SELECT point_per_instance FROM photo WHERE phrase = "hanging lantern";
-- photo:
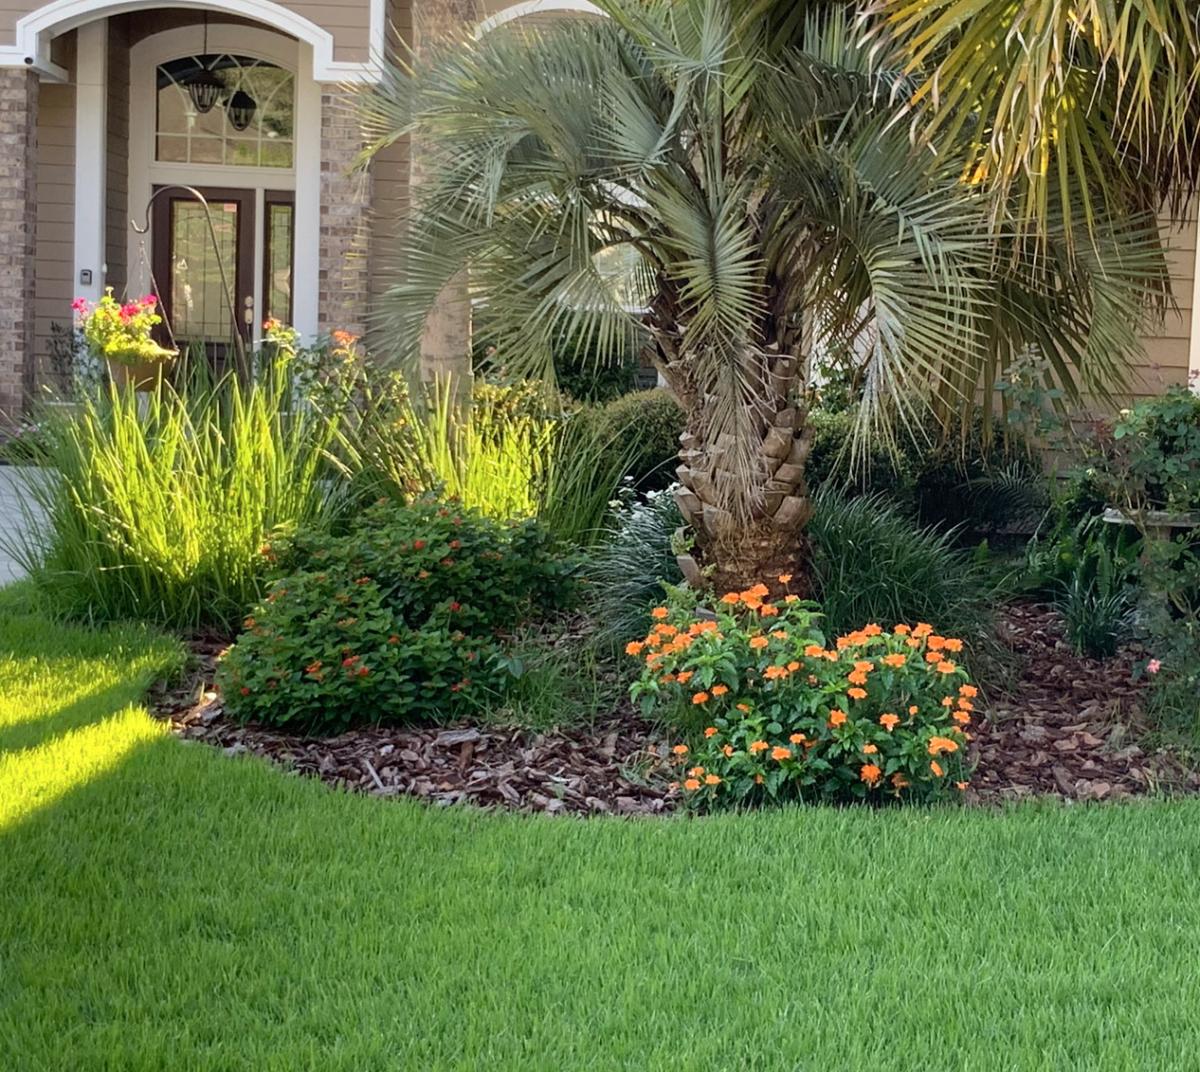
(241, 108)
(205, 89)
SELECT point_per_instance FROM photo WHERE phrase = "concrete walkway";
(14, 517)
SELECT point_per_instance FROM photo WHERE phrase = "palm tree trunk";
(744, 494)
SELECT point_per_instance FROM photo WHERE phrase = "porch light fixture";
(241, 109)
(204, 86)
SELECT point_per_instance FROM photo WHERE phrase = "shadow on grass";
(85, 710)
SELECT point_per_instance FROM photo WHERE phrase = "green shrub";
(642, 430)
(325, 651)
(878, 471)
(1152, 459)
(780, 713)
(427, 555)
(158, 505)
(394, 620)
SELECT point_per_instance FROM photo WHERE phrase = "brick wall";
(345, 196)
(18, 159)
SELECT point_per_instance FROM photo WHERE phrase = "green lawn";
(166, 907)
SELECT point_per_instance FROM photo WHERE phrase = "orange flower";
(659, 612)
(758, 642)
(680, 749)
(947, 701)
(870, 749)
(773, 673)
(913, 709)
(938, 745)
(936, 767)
(967, 690)
(779, 634)
(653, 640)
(665, 629)
(961, 786)
(780, 753)
(666, 679)
(932, 657)
(870, 773)
(785, 578)
(864, 666)
(758, 746)
(857, 677)
(791, 599)
(634, 647)
(695, 772)
(923, 629)
(744, 707)
(946, 668)
(712, 779)
(953, 644)
(727, 750)
(913, 642)
(900, 782)
(653, 660)
(836, 717)
(712, 731)
(895, 659)
(936, 643)
(730, 598)
(768, 610)
(720, 690)
(889, 721)
(965, 705)
(692, 783)
(684, 676)
(793, 666)
(857, 694)
(797, 738)
(902, 630)
(700, 698)
(872, 629)
(814, 651)
(760, 590)
(962, 718)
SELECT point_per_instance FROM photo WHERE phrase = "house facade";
(110, 108)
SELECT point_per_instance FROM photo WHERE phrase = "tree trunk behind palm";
(446, 335)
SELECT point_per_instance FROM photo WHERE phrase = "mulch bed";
(1069, 727)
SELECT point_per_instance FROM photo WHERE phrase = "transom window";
(250, 121)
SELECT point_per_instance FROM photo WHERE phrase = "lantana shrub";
(778, 713)
(394, 621)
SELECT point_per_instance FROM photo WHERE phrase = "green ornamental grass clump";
(777, 712)
(394, 621)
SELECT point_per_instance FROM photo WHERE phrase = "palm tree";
(758, 175)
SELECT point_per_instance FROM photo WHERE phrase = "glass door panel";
(278, 230)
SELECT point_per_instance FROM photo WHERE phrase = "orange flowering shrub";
(778, 713)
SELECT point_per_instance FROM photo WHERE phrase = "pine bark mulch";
(1068, 727)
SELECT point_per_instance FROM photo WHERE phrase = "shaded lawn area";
(164, 906)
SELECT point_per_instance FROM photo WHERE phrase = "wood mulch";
(1068, 727)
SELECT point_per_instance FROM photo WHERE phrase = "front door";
(193, 264)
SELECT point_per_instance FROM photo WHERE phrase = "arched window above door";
(251, 123)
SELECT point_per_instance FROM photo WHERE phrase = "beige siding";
(347, 20)
(117, 162)
(54, 244)
(1167, 344)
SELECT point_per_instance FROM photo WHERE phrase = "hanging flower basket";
(121, 335)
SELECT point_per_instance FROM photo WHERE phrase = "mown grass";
(164, 906)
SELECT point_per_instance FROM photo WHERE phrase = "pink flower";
(148, 299)
(1153, 666)
(79, 305)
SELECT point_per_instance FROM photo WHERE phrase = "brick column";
(345, 198)
(18, 224)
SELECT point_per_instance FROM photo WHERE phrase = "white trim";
(35, 31)
(306, 233)
(534, 7)
(91, 127)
